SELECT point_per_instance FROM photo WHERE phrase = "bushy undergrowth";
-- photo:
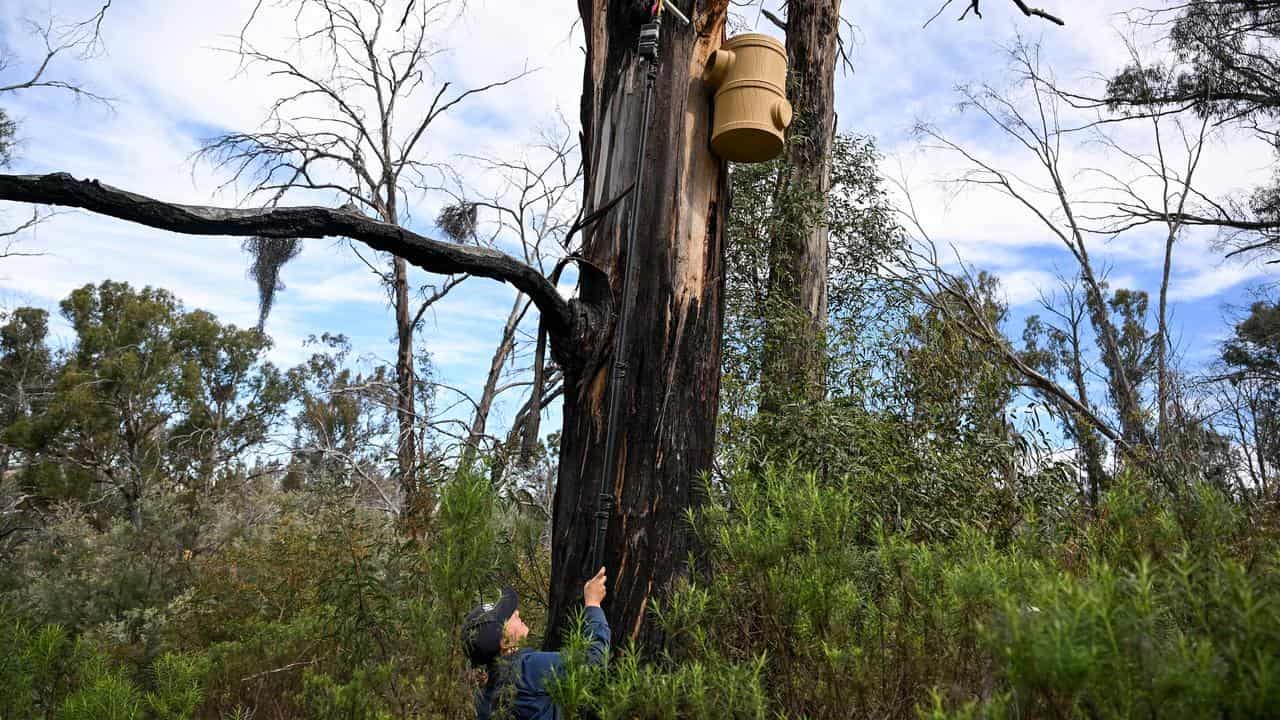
(808, 603)
(323, 612)
(46, 673)
(813, 608)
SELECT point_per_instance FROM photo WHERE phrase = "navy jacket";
(519, 681)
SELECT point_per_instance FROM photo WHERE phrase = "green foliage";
(177, 679)
(815, 599)
(950, 385)
(330, 613)
(116, 581)
(149, 398)
(1255, 346)
(1129, 615)
(342, 415)
(25, 361)
(919, 424)
(44, 673)
(913, 409)
(1219, 64)
(662, 690)
(916, 557)
(1219, 48)
(8, 135)
(765, 211)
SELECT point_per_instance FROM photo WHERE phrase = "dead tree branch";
(293, 222)
(973, 6)
(83, 37)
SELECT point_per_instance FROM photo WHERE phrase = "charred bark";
(671, 389)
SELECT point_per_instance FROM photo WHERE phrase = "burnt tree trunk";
(671, 389)
(794, 349)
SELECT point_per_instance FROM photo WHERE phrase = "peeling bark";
(671, 390)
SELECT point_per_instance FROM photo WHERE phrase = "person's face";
(514, 632)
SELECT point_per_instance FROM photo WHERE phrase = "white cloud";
(1024, 287)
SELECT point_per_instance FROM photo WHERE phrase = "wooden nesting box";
(751, 115)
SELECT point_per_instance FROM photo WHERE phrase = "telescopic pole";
(617, 375)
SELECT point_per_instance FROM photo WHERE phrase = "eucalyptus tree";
(794, 359)
(1217, 62)
(1247, 391)
(1056, 206)
(149, 399)
(793, 364)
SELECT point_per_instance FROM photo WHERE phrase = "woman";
(516, 686)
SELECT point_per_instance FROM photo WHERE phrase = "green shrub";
(812, 599)
(332, 613)
(1134, 613)
(663, 689)
(44, 673)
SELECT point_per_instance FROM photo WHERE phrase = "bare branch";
(84, 36)
(973, 7)
(779, 22)
(293, 222)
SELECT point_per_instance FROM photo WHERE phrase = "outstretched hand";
(593, 592)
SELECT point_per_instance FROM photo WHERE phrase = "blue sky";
(172, 88)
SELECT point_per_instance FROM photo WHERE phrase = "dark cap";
(482, 630)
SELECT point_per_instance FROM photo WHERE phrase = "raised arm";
(597, 624)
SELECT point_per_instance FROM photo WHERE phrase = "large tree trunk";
(794, 357)
(671, 389)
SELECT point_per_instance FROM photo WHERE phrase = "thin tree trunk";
(1162, 343)
(671, 390)
(531, 427)
(1090, 440)
(1259, 441)
(406, 450)
(526, 428)
(490, 391)
(414, 509)
(794, 357)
